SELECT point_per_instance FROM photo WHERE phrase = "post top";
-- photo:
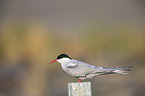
(78, 82)
(79, 89)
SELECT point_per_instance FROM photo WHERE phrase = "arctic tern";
(83, 70)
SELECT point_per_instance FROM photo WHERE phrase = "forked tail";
(121, 70)
(110, 70)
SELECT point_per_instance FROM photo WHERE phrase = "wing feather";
(72, 65)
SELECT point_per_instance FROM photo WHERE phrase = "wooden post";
(79, 89)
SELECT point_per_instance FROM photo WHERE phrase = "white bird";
(83, 70)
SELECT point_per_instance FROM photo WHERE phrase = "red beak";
(53, 61)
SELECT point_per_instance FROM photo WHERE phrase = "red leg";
(79, 80)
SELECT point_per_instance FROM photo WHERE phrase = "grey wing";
(84, 70)
(81, 68)
(112, 70)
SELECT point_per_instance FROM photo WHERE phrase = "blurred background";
(104, 33)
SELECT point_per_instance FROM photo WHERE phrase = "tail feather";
(123, 70)
(120, 70)
(126, 67)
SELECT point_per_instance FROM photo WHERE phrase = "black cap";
(63, 56)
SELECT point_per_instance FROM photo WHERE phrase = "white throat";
(63, 60)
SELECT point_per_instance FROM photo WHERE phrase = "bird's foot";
(79, 80)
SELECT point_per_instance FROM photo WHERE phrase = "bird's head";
(61, 58)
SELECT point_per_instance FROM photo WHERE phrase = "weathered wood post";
(79, 89)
